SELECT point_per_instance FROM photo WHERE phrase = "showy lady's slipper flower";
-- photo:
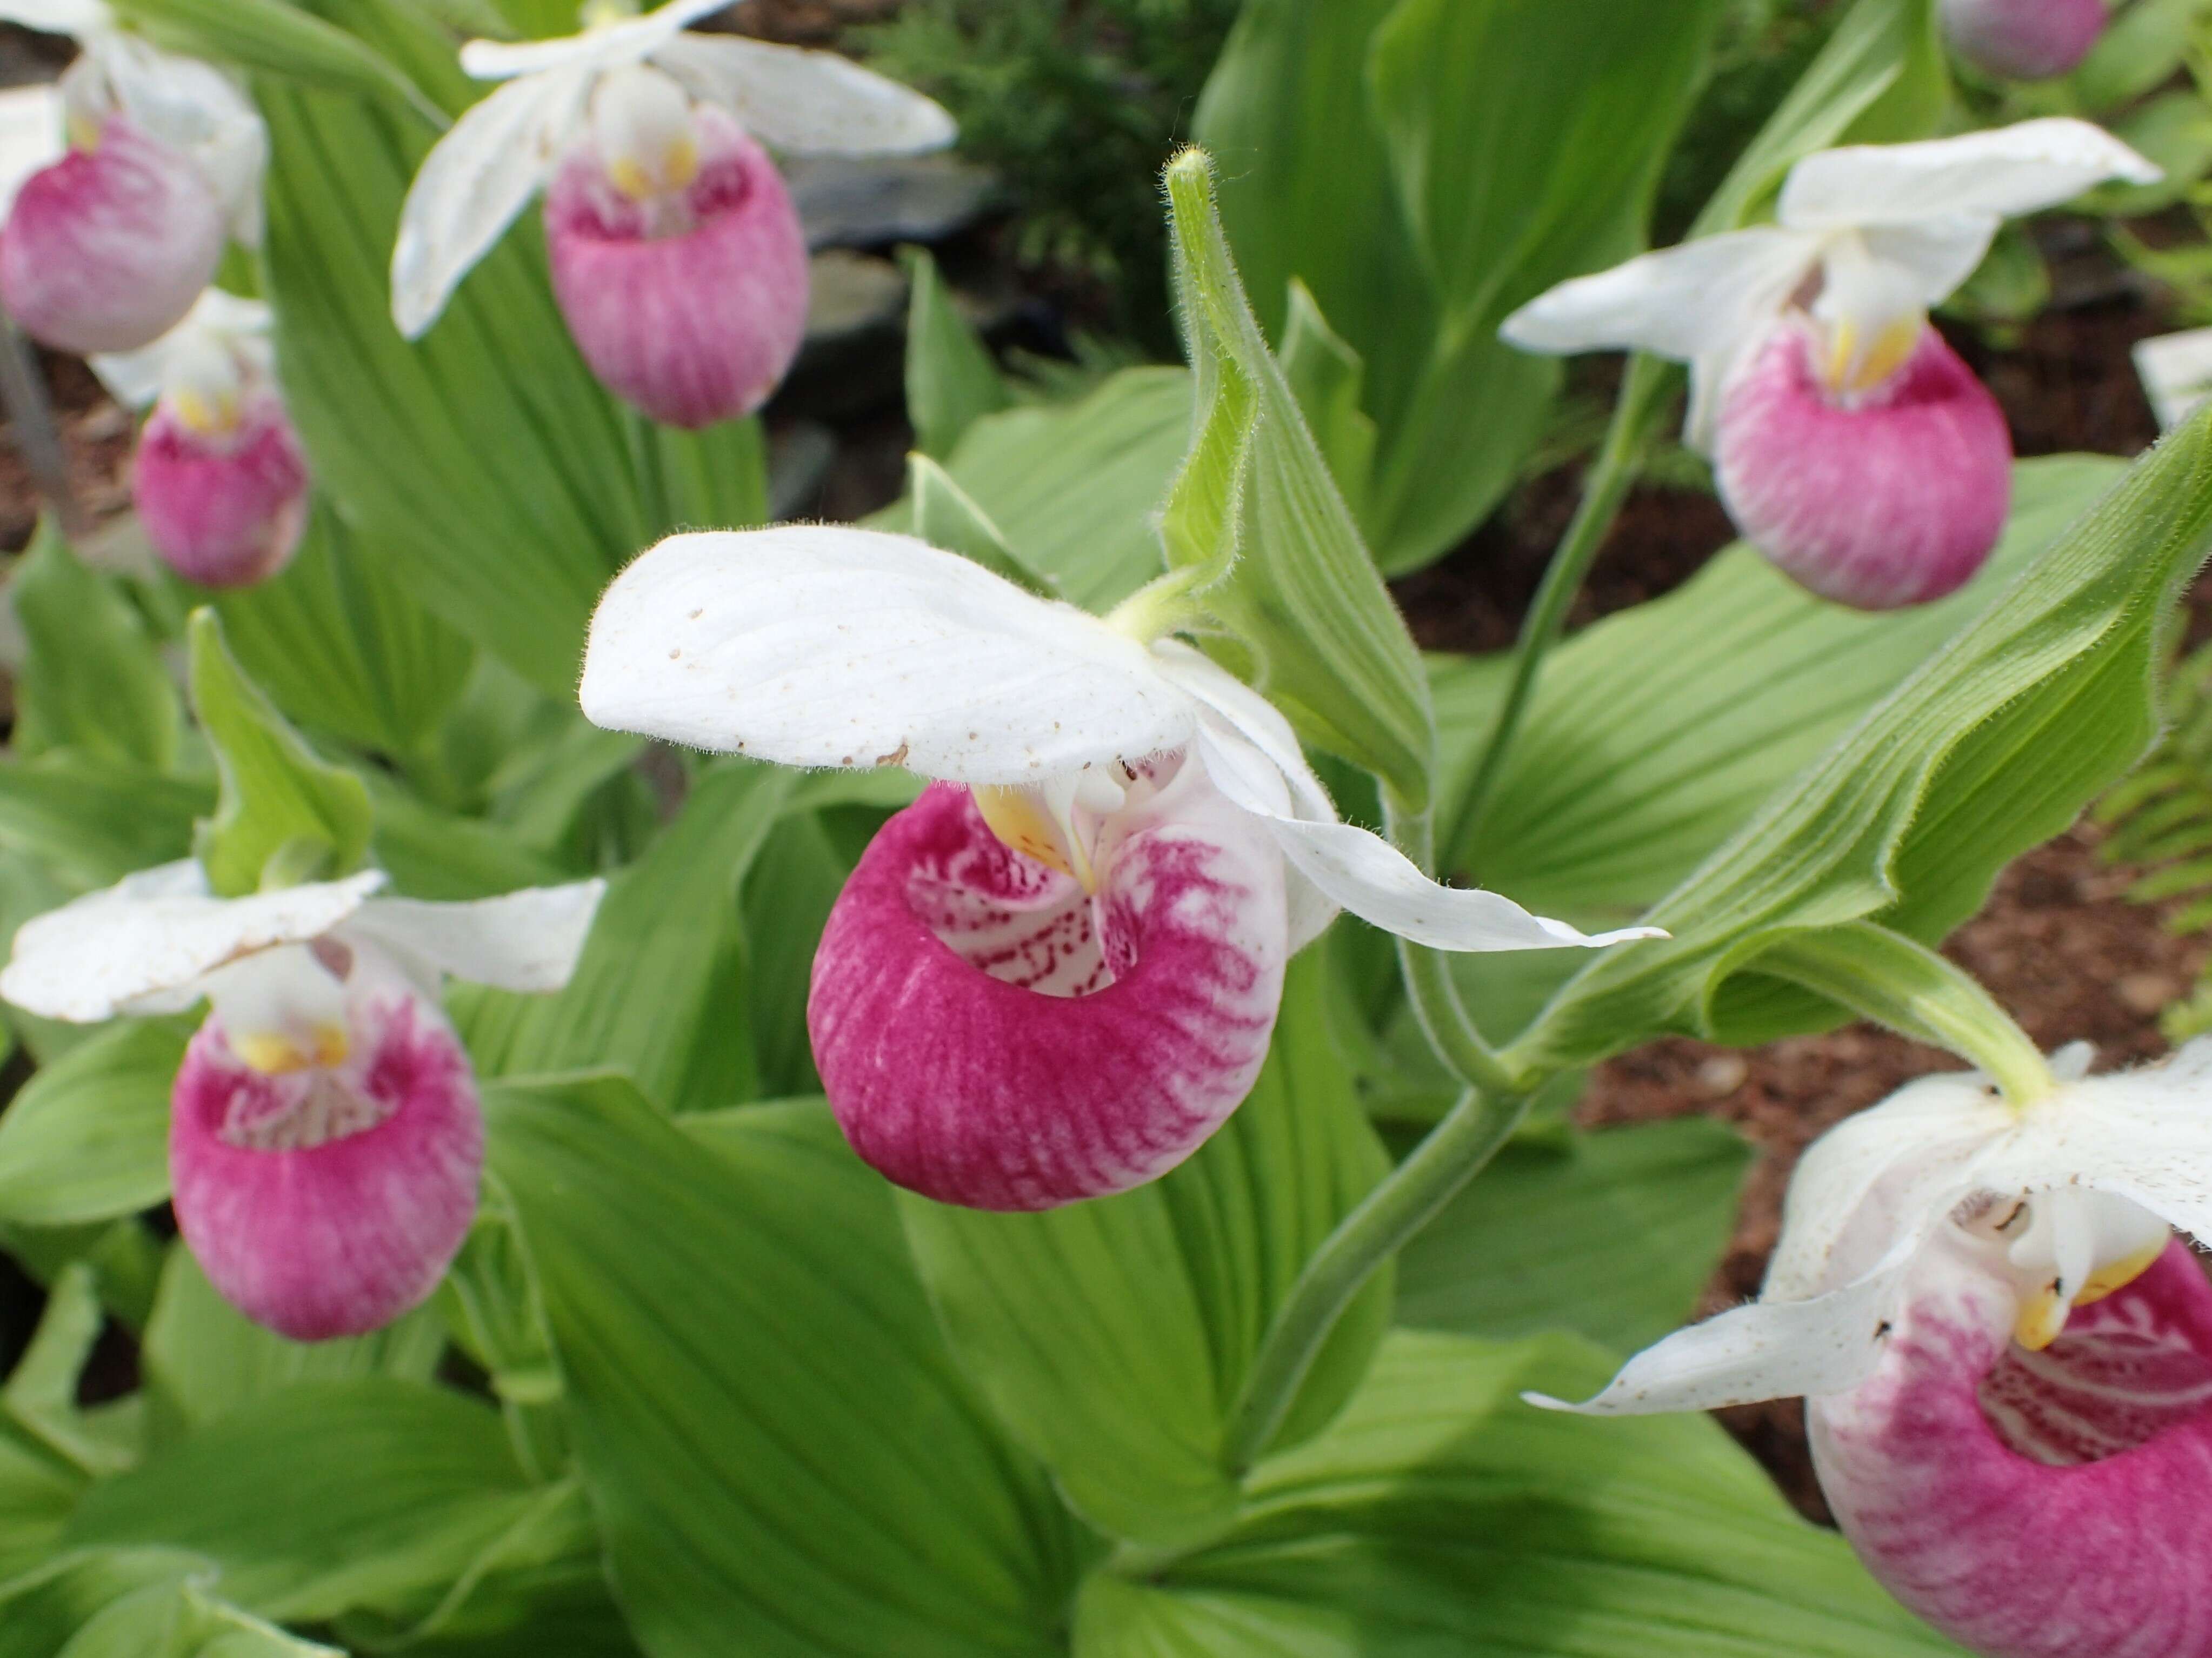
(325, 1142)
(1851, 443)
(2006, 1355)
(677, 257)
(106, 248)
(219, 478)
(2024, 39)
(1055, 974)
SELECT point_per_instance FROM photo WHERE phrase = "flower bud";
(325, 1181)
(2024, 39)
(1877, 499)
(106, 249)
(222, 496)
(679, 262)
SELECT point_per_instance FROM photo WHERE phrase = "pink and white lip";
(1891, 497)
(108, 248)
(2036, 1505)
(224, 511)
(691, 305)
(992, 1033)
(328, 1200)
(2006, 1355)
(2024, 39)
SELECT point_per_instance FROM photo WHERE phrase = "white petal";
(605, 47)
(135, 378)
(1358, 871)
(156, 932)
(2007, 172)
(1683, 302)
(78, 17)
(473, 183)
(1936, 255)
(2176, 371)
(808, 102)
(527, 940)
(195, 107)
(815, 645)
(30, 137)
(1765, 1350)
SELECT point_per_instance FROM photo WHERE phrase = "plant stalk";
(1620, 460)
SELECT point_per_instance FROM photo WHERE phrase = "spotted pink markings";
(1889, 498)
(326, 1203)
(2038, 1505)
(692, 309)
(992, 1035)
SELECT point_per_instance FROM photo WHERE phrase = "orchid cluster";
(1099, 969)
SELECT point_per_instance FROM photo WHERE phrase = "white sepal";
(806, 102)
(1682, 302)
(1997, 174)
(824, 646)
(195, 108)
(527, 941)
(609, 45)
(473, 183)
(142, 945)
(76, 17)
(31, 138)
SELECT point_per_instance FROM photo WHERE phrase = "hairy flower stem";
(1407, 1199)
(1611, 476)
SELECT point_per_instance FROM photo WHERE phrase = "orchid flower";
(110, 240)
(2024, 39)
(677, 257)
(219, 479)
(1055, 974)
(325, 1142)
(1851, 443)
(2007, 1356)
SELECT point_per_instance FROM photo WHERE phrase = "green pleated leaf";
(201, 1359)
(93, 821)
(41, 1609)
(1114, 1336)
(340, 645)
(1612, 1236)
(947, 516)
(1256, 518)
(950, 380)
(658, 992)
(1511, 180)
(39, 1406)
(181, 1620)
(1073, 488)
(92, 677)
(1327, 375)
(1992, 745)
(324, 1497)
(1657, 733)
(1442, 1515)
(38, 1492)
(87, 1137)
(283, 814)
(277, 37)
(781, 1454)
(485, 460)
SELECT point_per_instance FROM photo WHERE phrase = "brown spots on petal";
(896, 757)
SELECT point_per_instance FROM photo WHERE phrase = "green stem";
(1407, 1200)
(645, 461)
(1615, 472)
(1896, 981)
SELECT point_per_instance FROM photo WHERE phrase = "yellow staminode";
(678, 166)
(1022, 822)
(1850, 369)
(206, 415)
(274, 1052)
(2043, 1315)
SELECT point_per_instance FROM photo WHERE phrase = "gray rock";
(866, 201)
